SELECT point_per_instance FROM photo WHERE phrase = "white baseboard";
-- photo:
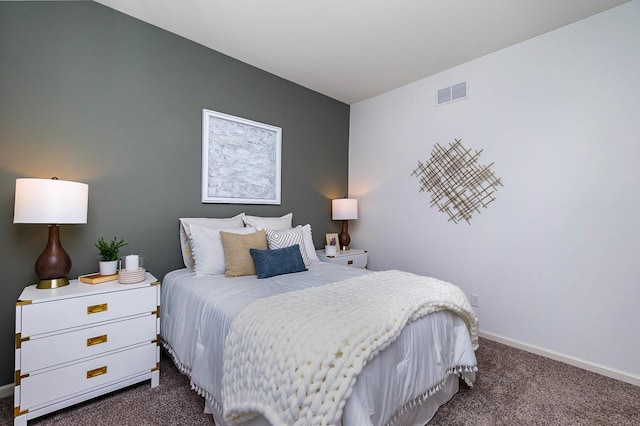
(585, 365)
(6, 390)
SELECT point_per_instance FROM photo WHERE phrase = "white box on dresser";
(80, 341)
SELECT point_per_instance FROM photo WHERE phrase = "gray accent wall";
(92, 95)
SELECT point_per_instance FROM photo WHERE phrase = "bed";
(402, 382)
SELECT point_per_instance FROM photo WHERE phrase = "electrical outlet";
(475, 300)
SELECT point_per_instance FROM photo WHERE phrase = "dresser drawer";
(357, 260)
(354, 257)
(39, 389)
(63, 348)
(47, 317)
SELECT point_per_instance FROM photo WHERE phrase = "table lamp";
(53, 202)
(344, 209)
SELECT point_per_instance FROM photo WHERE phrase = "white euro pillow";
(208, 251)
(278, 223)
(308, 244)
(214, 223)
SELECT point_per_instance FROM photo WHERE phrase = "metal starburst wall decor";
(459, 186)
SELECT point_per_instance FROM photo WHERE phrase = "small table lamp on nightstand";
(344, 209)
(53, 202)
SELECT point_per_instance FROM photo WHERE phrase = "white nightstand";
(353, 257)
(80, 341)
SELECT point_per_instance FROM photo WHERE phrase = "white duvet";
(396, 386)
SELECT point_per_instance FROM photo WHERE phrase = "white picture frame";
(241, 160)
(332, 240)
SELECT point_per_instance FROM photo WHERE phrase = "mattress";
(403, 384)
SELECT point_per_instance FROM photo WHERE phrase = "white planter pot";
(108, 268)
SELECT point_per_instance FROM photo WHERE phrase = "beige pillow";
(207, 249)
(237, 258)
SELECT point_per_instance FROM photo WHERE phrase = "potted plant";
(109, 254)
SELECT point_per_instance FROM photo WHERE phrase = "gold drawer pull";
(91, 341)
(97, 308)
(96, 372)
(349, 262)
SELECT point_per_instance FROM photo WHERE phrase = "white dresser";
(354, 257)
(80, 341)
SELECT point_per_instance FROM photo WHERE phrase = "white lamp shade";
(344, 209)
(50, 201)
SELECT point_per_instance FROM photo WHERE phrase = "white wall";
(556, 258)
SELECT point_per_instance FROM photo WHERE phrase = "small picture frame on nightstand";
(332, 240)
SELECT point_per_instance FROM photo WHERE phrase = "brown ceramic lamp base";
(54, 263)
(344, 237)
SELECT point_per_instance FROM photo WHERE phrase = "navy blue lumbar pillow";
(270, 263)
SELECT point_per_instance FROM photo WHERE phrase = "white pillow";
(208, 252)
(258, 222)
(185, 237)
(308, 243)
(277, 239)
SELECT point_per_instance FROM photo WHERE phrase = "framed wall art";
(241, 160)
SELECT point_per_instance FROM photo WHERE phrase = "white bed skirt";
(417, 415)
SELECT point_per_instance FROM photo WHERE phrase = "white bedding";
(395, 387)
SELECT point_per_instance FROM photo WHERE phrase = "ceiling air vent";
(451, 93)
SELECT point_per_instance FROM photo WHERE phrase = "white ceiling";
(352, 50)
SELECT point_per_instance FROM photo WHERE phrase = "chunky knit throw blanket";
(294, 357)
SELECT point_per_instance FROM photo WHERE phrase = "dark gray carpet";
(513, 388)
